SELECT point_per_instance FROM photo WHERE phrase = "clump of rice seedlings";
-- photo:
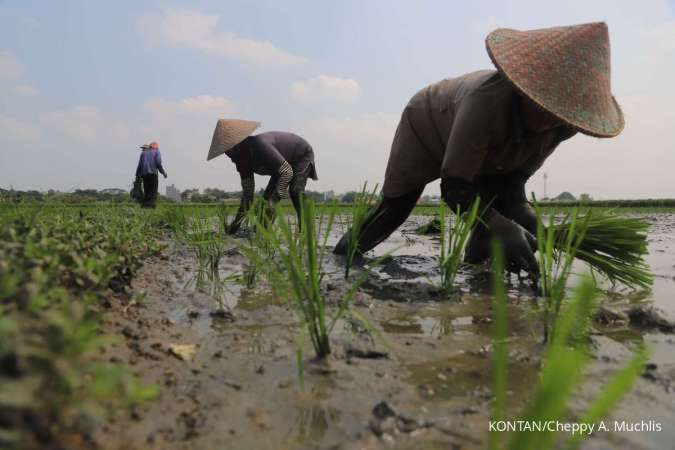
(557, 248)
(298, 272)
(430, 228)
(259, 252)
(562, 374)
(453, 245)
(208, 245)
(613, 246)
(361, 207)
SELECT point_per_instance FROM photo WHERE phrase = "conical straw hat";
(228, 133)
(564, 70)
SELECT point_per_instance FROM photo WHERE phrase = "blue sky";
(83, 83)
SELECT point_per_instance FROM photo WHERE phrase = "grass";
(564, 362)
(453, 246)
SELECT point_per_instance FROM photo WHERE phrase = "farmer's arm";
(247, 194)
(512, 198)
(158, 162)
(282, 172)
(464, 156)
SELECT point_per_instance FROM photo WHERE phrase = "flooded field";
(426, 384)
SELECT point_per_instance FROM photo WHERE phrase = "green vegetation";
(360, 211)
(57, 267)
(612, 245)
(453, 246)
(564, 362)
(296, 273)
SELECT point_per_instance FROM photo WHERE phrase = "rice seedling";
(208, 245)
(452, 247)
(360, 214)
(562, 374)
(298, 272)
(258, 251)
(557, 248)
(612, 246)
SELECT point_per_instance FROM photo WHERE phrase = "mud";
(425, 384)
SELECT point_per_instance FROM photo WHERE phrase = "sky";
(83, 83)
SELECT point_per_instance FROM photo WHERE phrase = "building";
(173, 193)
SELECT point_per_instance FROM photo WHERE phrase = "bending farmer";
(485, 133)
(288, 159)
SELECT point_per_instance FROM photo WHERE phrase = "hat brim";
(612, 119)
(229, 133)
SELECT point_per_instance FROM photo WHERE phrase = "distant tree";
(348, 197)
(565, 197)
(585, 198)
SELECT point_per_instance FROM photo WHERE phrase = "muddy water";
(432, 367)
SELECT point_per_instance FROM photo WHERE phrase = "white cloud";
(325, 88)
(350, 150)
(10, 67)
(26, 90)
(199, 105)
(184, 27)
(86, 123)
(12, 128)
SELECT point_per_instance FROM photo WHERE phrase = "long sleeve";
(278, 185)
(138, 167)
(468, 142)
(248, 191)
(158, 163)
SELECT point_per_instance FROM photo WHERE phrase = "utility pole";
(545, 179)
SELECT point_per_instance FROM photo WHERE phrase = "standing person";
(485, 133)
(149, 163)
(287, 158)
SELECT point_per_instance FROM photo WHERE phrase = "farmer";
(287, 158)
(485, 133)
(149, 164)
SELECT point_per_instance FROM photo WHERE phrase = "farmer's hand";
(234, 227)
(519, 244)
(165, 175)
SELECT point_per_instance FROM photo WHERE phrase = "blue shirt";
(150, 163)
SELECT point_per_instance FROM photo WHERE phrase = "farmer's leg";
(147, 190)
(382, 221)
(154, 180)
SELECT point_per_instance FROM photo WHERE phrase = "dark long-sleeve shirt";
(465, 127)
(276, 153)
(265, 153)
(149, 163)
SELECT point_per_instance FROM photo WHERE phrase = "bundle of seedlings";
(611, 245)
(565, 361)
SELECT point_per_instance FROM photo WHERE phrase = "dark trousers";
(150, 187)
(381, 221)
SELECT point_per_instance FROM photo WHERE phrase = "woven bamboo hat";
(228, 133)
(564, 70)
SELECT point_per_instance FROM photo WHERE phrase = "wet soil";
(424, 385)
